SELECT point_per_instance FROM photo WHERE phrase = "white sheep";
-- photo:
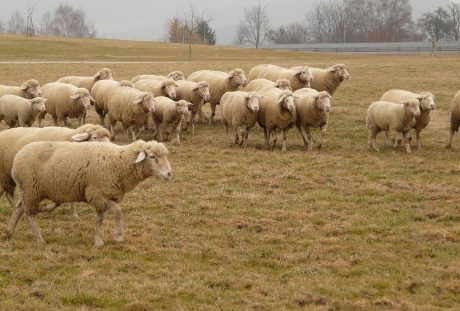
(175, 75)
(99, 174)
(298, 78)
(258, 84)
(12, 140)
(240, 111)
(454, 119)
(168, 115)
(132, 108)
(219, 83)
(20, 111)
(165, 87)
(196, 93)
(101, 91)
(395, 117)
(276, 113)
(28, 89)
(427, 104)
(88, 82)
(312, 109)
(65, 101)
(328, 79)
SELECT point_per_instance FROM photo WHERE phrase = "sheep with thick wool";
(395, 117)
(219, 83)
(168, 116)
(174, 75)
(132, 108)
(298, 78)
(28, 89)
(262, 83)
(427, 104)
(328, 79)
(240, 111)
(12, 140)
(65, 101)
(196, 93)
(88, 82)
(99, 174)
(158, 88)
(276, 113)
(16, 110)
(101, 91)
(454, 119)
(312, 108)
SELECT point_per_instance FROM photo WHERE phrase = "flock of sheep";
(65, 165)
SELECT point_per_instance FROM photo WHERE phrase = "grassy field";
(248, 229)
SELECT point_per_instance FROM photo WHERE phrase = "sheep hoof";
(98, 243)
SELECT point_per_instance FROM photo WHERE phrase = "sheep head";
(83, 98)
(182, 107)
(169, 88)
(146, 101)
(426, 100)
(340, 71)
(252, 101)
(323, 101)
(176, 75)
(237, 77)
(283, 84)
(32, 88)
(153, 158)
(412, 106)
(286, 100)
(103, 74)
(125, 83)
(91, 133)
(305, 75)
(38, 104)
(202, 88)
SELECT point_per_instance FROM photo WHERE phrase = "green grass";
(249, 229)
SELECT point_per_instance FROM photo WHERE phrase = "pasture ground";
(250, 229)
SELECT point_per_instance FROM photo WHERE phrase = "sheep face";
(32, 88)
(176, 75)
(427, 101)
(283, 84)
(323, 101)
(182, 107)
(305, 75)
(252, 101)
(104, 74)
(125, 83)
(154, 161)
(83, 98)
(287, 101)
(38, 104)
(341, 72)
(169, 88)
(238, 77)
(203, 91)
(412, 106)
(146, 102)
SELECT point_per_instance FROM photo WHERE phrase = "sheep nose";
(255, 109)
(173, 95)
(151, 109)
(168, 175)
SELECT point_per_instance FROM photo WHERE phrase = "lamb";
(389, 116)
(169, 114)
(298, 78)
(99, 174)
(28, 89)
(219, 83)
(427, 104)
(18, 110)
(12, 140)
(175, 75)
(158, 88)
(196, 93)
(328, 79)
(312, 109)
(240, 111)
(65, 101)
(276, 112)
(88, 82)
(131, 107)
(454, 119)
(101, 91)
(258, 84)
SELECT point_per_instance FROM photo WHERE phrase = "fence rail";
(386, 47)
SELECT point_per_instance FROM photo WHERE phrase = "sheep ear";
(176, 85)
(196, 88)
(163, 84)
(419, 98)
(24, 86)
(80, 137)
(406, 104)
(98, 75)
(139, 100)
(190, 104)
(299, 72)
(74, 97)
(92, 99)
(282, 97)
(141, 157)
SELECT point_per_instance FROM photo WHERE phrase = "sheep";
(312, 109)
(427, 104)
(65, 101)
(196, 93)
(99, 174)
(169, 114)
(88, 82)
(276, 112)
(28, 89)
(258, 84)
(454, 119)
(101, 91)
(175, 75)
(298, 78)
(20, 111)
(158, 88)
(328, 79)
(219, 83)
(131, 107)
(240, 111)
(389, 116)
(12, 140)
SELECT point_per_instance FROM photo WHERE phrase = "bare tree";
(190, 23)
(434, 26)
(454, 19)
(293, 33)
(30, 31)
(67, 22)
(2, 27)
(16, 23)
(254, 27)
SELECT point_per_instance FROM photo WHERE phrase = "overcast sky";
(146, 19)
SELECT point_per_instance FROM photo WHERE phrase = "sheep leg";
(372, 141)
(387, 139)
(101, 114)
(73, 209)
(55, 120)
(10, 198)
(203, 118)
(417, 134)
(275, 138)
(309, 138)
(450, 144)
(302, 133)
(267, 133)
(406, 137)
(213, 113)
(99, 234)
(66, 124)
(118, 234)
(15, 217)
(125, 133)
(284, 149)
(143, 128)
(323, 133)
(240, 132)
(176, 139)
(32, 217)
